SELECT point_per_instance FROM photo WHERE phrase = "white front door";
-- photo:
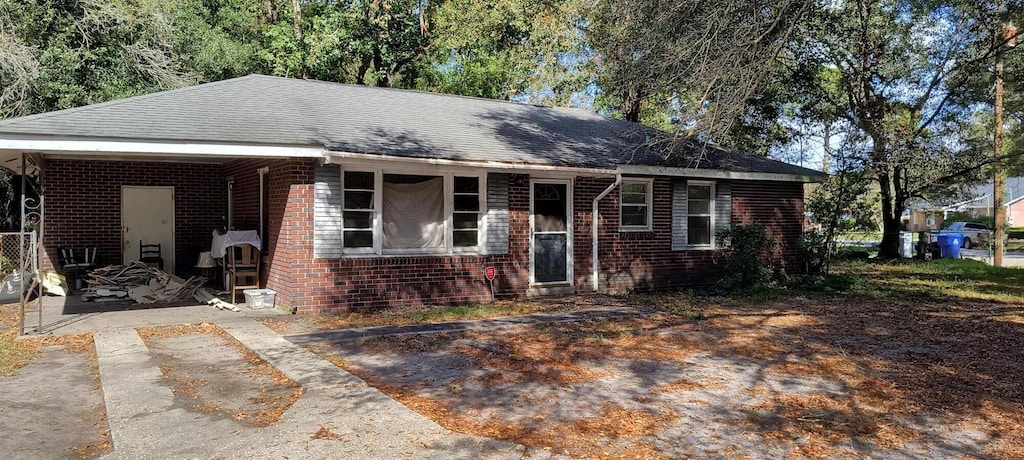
(147, 215)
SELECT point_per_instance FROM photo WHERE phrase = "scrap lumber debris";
(140, 282)
(205, 296)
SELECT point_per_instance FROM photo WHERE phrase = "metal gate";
(19, 251)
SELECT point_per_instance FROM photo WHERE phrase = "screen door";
(551, 238)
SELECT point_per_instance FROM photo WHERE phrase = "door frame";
(569, 230)
(169, 260)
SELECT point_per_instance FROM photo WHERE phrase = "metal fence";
(11, 253)
(19, 273)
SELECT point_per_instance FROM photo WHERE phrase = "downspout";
(594, 221)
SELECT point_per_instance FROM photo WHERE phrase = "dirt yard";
(796, 377)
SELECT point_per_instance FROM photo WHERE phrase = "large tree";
(895, 72)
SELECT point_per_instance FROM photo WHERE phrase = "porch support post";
(21, 255)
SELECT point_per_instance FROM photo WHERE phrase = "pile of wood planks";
(139, 282)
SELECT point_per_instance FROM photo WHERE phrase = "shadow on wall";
(639, 276)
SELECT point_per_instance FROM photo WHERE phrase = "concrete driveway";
(335, 415)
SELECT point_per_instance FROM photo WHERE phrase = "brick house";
(367, 197)
(974, 202)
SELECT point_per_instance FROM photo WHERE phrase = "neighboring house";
(368, 198)
(976, 202)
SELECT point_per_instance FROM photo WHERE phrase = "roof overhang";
(11, 149)
(374, 160)
(699, 173)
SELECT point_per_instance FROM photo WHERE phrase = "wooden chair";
(75, 267)
(68, 262)
(243, 266)
(151, 254)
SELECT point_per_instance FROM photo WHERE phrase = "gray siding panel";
(496, 219)
(723, 206)
(678, 215)
(327, 221)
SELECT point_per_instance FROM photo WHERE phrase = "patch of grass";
(941, 278)
(14, 354)
(859, 236)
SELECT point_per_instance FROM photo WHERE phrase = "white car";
(975, 234)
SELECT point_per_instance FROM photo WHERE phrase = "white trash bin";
(906, 244)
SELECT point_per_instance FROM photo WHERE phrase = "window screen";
(698, 214)
(466, 212)
(634, 205)
(357, 209)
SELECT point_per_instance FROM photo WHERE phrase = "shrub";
(827, 283)
(816, 251)
(747, 267)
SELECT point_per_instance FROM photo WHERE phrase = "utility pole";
(997, 168)
(1009, 36)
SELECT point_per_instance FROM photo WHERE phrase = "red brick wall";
(777, 205)
(287, 247)
(83, 199)
(83, 205)
(630, 260)
(645, 260)
(373, 283)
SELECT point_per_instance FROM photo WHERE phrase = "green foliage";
(746, 267)
(827, 283)
(56, 55)
(935, 279)
(816, 251)
(838, 206)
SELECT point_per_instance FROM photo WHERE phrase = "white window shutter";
(496, 220)
(679, 215)
(723, 206)
(327, 221)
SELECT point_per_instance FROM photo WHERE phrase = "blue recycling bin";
(949, 245)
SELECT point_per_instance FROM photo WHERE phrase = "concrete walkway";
(493, 324)
(145, 421)
(71, 315)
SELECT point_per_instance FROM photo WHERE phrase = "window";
(390, 213)
(635, 205)
(699, 213)
(357, 199)
(466, 216)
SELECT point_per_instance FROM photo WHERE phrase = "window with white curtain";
(398, 213)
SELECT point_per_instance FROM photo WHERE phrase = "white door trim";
(569, 230)
(168, 255)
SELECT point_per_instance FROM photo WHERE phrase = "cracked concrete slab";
(360, 422)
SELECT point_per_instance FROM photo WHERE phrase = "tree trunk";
(297, 31)
(631, 104)
(889, 248)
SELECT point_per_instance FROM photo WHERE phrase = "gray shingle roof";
(975, 196)
(267, 110)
